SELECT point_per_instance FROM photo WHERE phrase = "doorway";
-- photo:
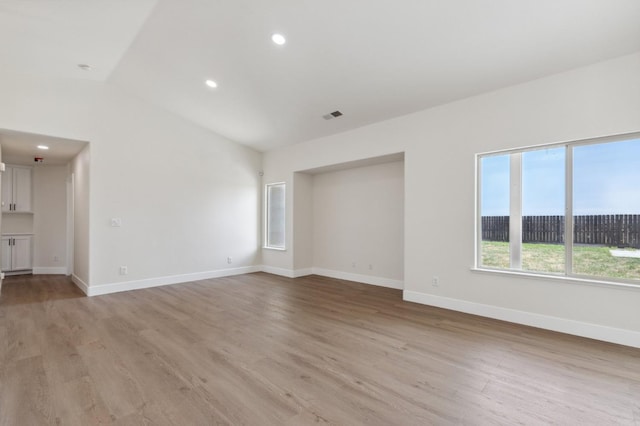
(45, 223)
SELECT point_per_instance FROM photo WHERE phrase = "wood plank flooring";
(264, 350)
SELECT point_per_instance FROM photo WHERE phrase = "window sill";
(561, 278)
(273, 248)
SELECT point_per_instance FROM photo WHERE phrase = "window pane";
(494, 211)
(275, 216)
(543, 206)
(606, 205)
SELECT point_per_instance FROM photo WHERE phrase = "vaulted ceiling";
(371, 59)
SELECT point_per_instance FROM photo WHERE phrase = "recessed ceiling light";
(43, 147)
(211, 84)
(278, 39)
(85, 67)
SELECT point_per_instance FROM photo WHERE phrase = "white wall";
(358, 225)
(17, 223)
(303, 217)
(50, 218)
(439, 145)
(187, 197)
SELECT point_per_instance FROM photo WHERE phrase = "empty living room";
(342, 212)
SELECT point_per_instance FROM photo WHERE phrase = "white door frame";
(70, 222)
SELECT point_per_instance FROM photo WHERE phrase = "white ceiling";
(371, 59)
(51, 37)
(21, 148)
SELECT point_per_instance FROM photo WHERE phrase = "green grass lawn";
(587, 260)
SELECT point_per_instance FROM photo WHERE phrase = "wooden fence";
(621, 230)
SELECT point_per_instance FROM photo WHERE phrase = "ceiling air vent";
(332, 115)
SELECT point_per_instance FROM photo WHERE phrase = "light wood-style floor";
(263, 350)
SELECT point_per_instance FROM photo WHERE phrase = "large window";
(570, 209)
(275, 216)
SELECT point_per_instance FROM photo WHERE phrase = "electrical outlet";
(370, 267)
(56, 259)
(124, 270)
(435, 281)
(353, 264)
(229, 260)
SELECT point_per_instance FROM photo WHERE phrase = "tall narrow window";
(570, 209)
(543, 208)
(275, 216)
(494, 178)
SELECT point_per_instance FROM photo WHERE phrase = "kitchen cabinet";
(16, 253)
(16, 189)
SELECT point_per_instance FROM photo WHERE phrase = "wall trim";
(365, 279)
(562, 325)
(347, 276)
(283, 272)
(80, 284)
(101, 289)
(302, 272)
(45, 270)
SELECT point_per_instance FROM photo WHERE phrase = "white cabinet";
(16, 253)
(16, 189)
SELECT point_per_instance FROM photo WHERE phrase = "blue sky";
(606, 180)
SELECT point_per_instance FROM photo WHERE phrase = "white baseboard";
(577, 328)
(80, 284)
(283, 272)
(563, 325)
(302, 272)
(168, 280)
(366, 279)
(46, 270)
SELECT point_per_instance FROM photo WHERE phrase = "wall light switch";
(116, 222)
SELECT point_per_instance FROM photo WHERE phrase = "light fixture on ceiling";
(85, 67)
(278, 39)
(211, 83)
(43, 147)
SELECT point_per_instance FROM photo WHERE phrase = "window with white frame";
(275, 216)
(568, 209)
